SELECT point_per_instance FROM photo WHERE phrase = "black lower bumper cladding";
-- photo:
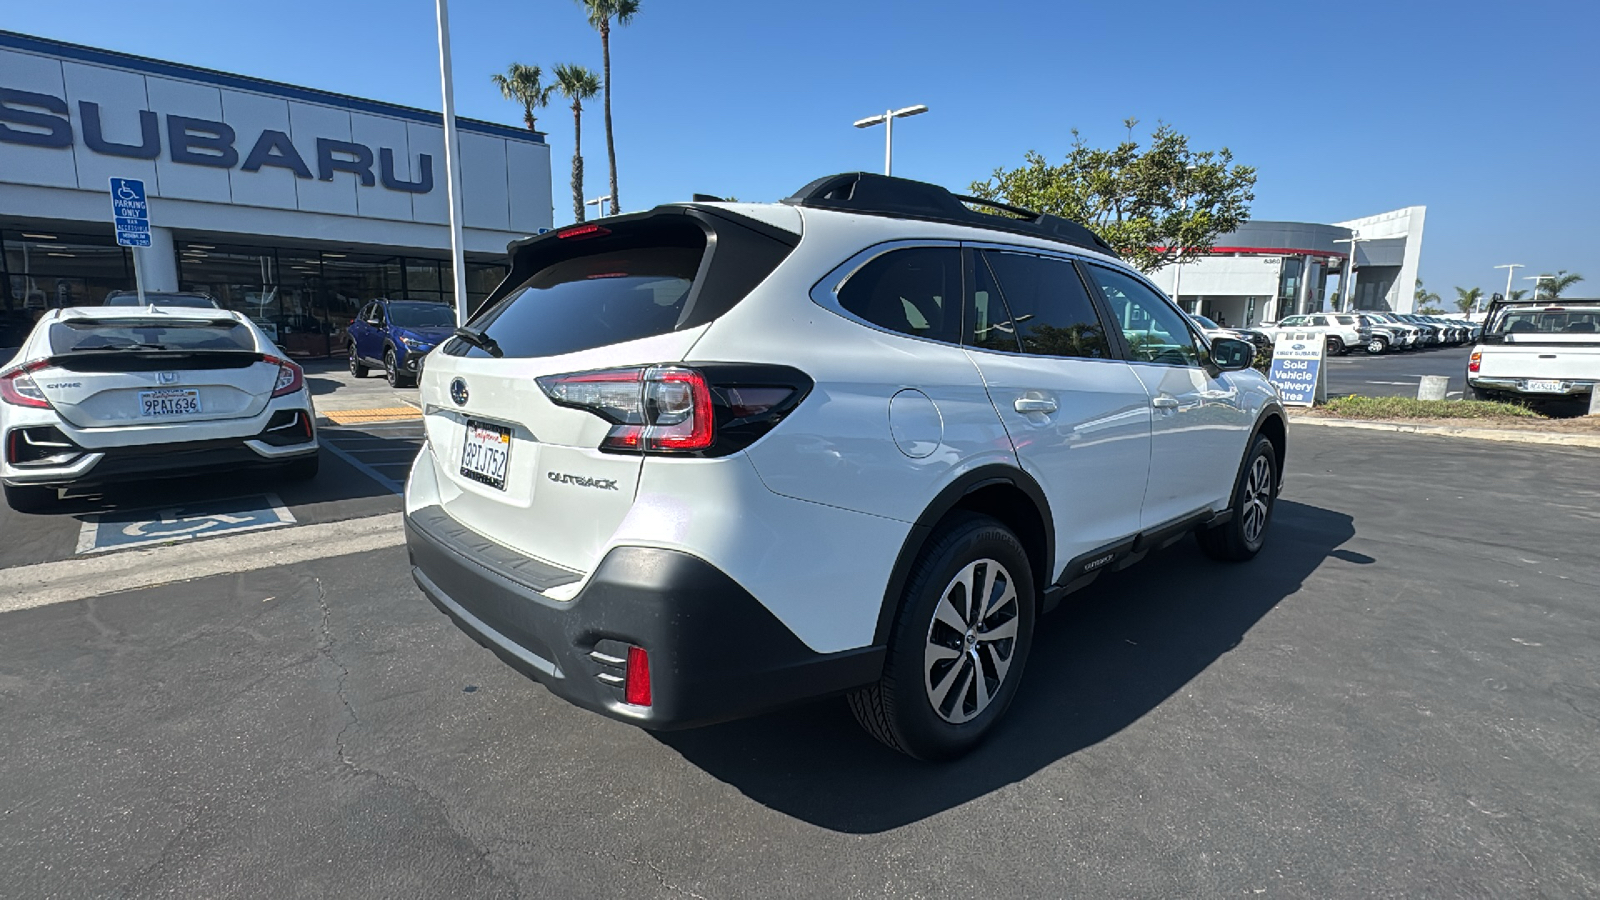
(715, 652)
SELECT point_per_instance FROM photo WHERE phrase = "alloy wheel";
(389, 369)
(1257, 497)
(972, 641)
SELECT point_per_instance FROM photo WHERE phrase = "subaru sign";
(130, 212)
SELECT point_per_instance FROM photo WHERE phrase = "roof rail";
(885, 195)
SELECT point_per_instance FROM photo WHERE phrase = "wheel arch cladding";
(1004, 493)
(1273, 429)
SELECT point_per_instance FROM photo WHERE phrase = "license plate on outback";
(1545, 387)
(485, 452)
(171, 402)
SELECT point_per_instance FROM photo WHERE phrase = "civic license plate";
(174, 402)
(485, 452)
(1545, 387)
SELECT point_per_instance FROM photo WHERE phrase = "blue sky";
(1485, 113)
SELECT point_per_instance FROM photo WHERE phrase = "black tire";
(1377, 345)
(30, 498)
(357, 367)
(900, 709)
(392, 372)
(1336, 346)
(1255, 493)
(303, 469)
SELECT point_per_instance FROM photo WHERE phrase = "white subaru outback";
(702, 461)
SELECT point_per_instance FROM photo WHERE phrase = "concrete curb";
(1477, 434)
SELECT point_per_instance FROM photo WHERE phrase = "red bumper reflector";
(636, 689)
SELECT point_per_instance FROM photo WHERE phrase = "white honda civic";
(99, 395)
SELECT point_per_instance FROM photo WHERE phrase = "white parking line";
(382, 479)
(74, 579)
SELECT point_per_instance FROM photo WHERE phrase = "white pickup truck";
(1540, 350)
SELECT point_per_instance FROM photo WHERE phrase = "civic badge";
(167, 377)
(458, 391)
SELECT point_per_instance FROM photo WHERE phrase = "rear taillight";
(636, 680)
(1475, 362)
(17, 387)
(702, 410)
(291, 377)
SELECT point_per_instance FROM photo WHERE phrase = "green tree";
(1549, 287)
(523, 84)
(1468, 300)
(1518, 294)
(577, 84)
(600, 13)
(1424, 297)
(1157, 205)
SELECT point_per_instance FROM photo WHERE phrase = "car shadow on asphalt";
(1110, 655)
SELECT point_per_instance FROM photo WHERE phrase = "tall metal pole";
(452, 153)
(888, 142)
(1511, 269)
(138, 274)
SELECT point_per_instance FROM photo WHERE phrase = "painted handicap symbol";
(169, 524)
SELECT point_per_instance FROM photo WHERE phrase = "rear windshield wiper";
(481, 340)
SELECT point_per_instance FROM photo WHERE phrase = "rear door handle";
(1034, 405)
(1165, 403)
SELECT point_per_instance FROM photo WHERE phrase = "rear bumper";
(103, 465)
(1569, 387)
(715, 652)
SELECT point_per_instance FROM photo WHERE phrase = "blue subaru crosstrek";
(395, 335)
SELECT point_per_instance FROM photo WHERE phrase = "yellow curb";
(362, 416)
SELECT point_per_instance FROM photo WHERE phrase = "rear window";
(1547, 320)
(156, 298)
(83, 335)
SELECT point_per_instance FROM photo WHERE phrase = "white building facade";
(293, 204)
(1267, 270)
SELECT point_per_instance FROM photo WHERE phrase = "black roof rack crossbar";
(884, 195)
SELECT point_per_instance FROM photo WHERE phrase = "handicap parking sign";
(130, 212)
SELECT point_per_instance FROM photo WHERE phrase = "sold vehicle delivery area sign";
(1297, 368)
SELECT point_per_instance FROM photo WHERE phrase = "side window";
(916, 291)
(1319, 320)
(1154, 330)
(362, 315)
(989, 322)
(1048, 308)
(1294, 321)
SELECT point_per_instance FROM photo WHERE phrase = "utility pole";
(452, 162)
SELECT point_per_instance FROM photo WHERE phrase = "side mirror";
(1231, 354)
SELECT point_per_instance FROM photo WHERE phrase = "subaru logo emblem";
(458, 392)
(1297, 347)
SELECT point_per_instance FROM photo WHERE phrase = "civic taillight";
(17, 387)
(719, 408)
(291, 377)
(1475, 362)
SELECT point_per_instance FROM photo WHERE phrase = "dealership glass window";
(46, 269)
(1289, 278)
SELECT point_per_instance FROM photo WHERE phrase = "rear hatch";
(520, 461)
(148, 368)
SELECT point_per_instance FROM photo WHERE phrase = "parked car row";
(1378, 332)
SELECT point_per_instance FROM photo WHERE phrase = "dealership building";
(1267, 270)
(291, 204)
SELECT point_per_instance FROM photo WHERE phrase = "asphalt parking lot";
(1399, 697)
(1398, 373)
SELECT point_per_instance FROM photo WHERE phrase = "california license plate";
(172, 402)
(485, 452)
(1545, 387)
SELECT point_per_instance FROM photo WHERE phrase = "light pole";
(1511, 269)
(1536, 279)
(452, 162)
(1349, 287)
(599, 202)
(887, 119)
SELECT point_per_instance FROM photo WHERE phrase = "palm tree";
(523, 84)
(1423, 296)
(1466, 300)
(1516, 294)
(1549, 287)
(601, 12)
(578, 84)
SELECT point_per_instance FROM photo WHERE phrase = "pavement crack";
(661, 876)
(325, 648)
